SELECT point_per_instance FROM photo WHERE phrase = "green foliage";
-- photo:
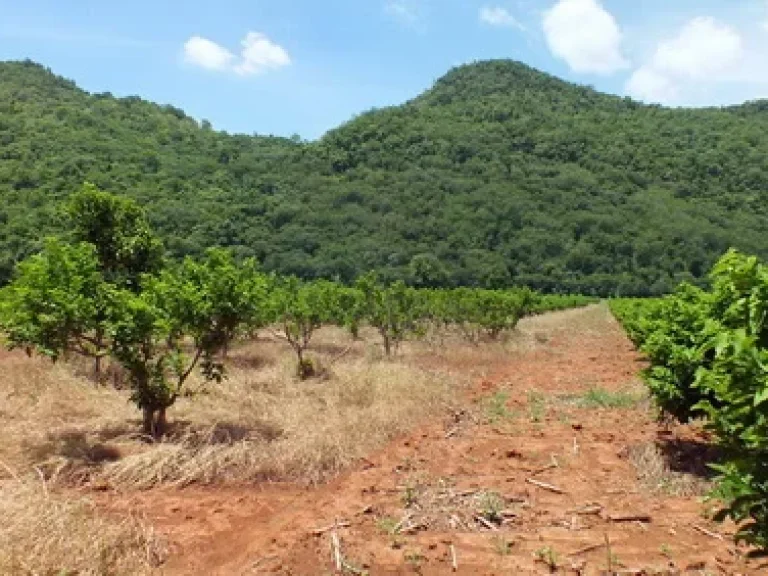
(489, 312)
(118, 228)
(300, 309)
(394, 310)
(234, 294)
(497, 176)
(737, 382)
(709, 357)
(150, 331)
(59, 302)
(671, 332)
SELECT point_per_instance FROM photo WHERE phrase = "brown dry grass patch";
(46, 534)
(262, 423)
(657, 476)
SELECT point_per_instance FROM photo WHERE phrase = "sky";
(302, 67)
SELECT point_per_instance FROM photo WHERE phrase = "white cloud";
(702, 47)
(207, 54)
(585, 35)
(703, 52)
(258, 54)
(408, 12)
(649, 85)
(498, 16)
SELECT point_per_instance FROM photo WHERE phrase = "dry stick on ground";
(586, 549)
(402, 522)
(609, 555)
(630, 518)
(545, 486)
(321, 531)
(485, 523)
(706, 532)
(587, 510)
(336, 551)
(544, 469)
(454, 561)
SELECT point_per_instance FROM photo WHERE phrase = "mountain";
(497, 175)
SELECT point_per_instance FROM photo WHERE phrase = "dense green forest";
(498, 175)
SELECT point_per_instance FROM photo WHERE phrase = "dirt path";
(532, 419)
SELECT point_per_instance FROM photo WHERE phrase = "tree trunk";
(155, 422)
(387, 345)
(99, 348)
(161, 423)
(148, 425)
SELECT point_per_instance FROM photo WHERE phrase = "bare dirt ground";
(556, 465)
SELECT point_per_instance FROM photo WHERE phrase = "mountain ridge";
(498, 174)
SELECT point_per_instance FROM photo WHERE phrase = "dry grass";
(262, 423)
(43, 534)
(657, 477)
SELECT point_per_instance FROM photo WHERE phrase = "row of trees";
(708, 353)
(108, 291)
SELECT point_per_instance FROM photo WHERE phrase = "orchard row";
(107, 291)
(708, 353)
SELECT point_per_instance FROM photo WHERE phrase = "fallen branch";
(586, 549)
(336, 546)
(545, 486)
(630, 518)
(485, 523)
(454, 561)
(609, 554)
(543, 469)
(587, 510)
(706, 532)
(321, 531)
(413, 527)
(402, 522)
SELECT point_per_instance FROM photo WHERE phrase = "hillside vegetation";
(498, 175)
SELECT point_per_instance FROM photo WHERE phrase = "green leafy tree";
(151, 332)
(394, 310)
(234, 295)
(117, 226)
(58, 302)
(300, 309)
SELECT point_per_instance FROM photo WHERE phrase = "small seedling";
(548, 557)
(537, 407)
(496, 407)
(415, 559)
(410, 495)
(666, 550)
(601, 398)
(388, 525)
(491, 506)
(502, 546)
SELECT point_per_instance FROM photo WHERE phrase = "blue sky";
(302, 66)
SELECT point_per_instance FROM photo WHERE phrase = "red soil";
(444, 467)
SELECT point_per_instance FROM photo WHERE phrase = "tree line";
(106, 290)
(497, 176)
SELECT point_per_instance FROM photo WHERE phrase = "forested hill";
(498, 175)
